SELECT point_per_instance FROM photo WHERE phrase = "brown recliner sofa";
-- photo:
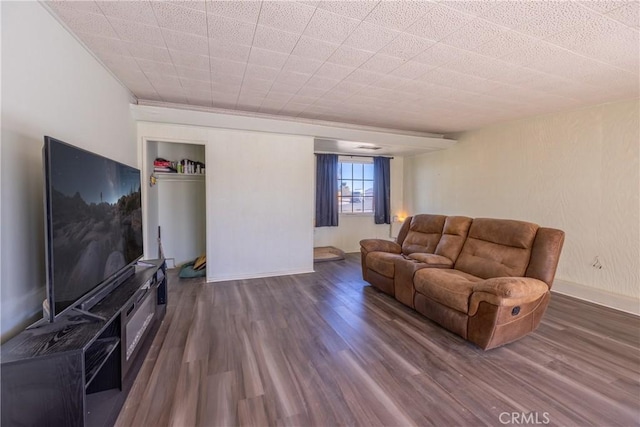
(487, 280)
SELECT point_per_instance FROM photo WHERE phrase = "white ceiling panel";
(189, 60)
(195, 85)
(516, 13)
(439, 22)
(247, 11)
(156, 67)
(180, 18)
(604, 6)
(275, 40)
(176, 40)
(260, 72)
(233, 68)
(230, 51)
(80, 21)
(135, 32)
(475, 33)
(629, 14)
(99, 44)
(556, 18)
(191, 4)
(154, 53)
(471, 7)
(193, 73)
(314, 49)
(330, 27)
(299, 64)
(398, 15)
(353, 9)
(412, 69)
(370, 37)
(83, 6)
(382, 63)
(165, 82)
(291, 79)
(136, 11)
(349, 56)
(427, 66)
(406, 46)
(321, 83)
(285, 15)
(334, 71)
(267, 58)
(229, 30)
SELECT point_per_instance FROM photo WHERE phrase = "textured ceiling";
(441, 66)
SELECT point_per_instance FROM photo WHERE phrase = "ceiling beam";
(283, 125)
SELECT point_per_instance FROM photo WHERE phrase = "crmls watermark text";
(517, 418)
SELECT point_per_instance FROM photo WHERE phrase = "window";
(355, 186)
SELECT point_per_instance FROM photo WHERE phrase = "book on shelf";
(164, 169)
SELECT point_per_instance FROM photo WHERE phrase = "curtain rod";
(352, 155)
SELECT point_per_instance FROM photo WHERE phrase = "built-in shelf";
(171, 176)
(97, 355)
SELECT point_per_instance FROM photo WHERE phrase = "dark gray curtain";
(326, 190)
(382, 190)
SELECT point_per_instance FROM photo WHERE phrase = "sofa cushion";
(402, 234)
(454, 233)
(432, 260)
(382, 263)
(451, 288)
(497, 248)
(424, 234)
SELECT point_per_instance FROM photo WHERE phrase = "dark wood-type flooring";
(326, 349)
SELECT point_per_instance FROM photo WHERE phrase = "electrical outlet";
(596, 263)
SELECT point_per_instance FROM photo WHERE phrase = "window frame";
(339, 179)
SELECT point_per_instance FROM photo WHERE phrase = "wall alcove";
(174, 202)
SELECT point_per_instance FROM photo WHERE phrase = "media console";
(78, 370)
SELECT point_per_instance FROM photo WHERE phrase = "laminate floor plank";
(327, 349)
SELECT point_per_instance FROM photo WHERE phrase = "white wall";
(259, 199)
(354, 227)
(50, 86)
(182, 218)
(577, 171)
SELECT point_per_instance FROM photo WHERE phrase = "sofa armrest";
(379, 245)
(512, 287)
(506, 291)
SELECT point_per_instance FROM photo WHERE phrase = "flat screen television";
(93, 223)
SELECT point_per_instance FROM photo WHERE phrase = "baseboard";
(257, 275)
(597, 296)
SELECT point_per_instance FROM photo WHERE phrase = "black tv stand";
(78, 370)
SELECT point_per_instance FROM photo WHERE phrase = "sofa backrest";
(424, 234)
(453, 237)
(497, 248)
(402, 234)
(545, 255)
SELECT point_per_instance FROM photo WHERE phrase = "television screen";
(93, 220)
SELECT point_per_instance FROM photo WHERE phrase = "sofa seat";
(432, 260)
(451, 288)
